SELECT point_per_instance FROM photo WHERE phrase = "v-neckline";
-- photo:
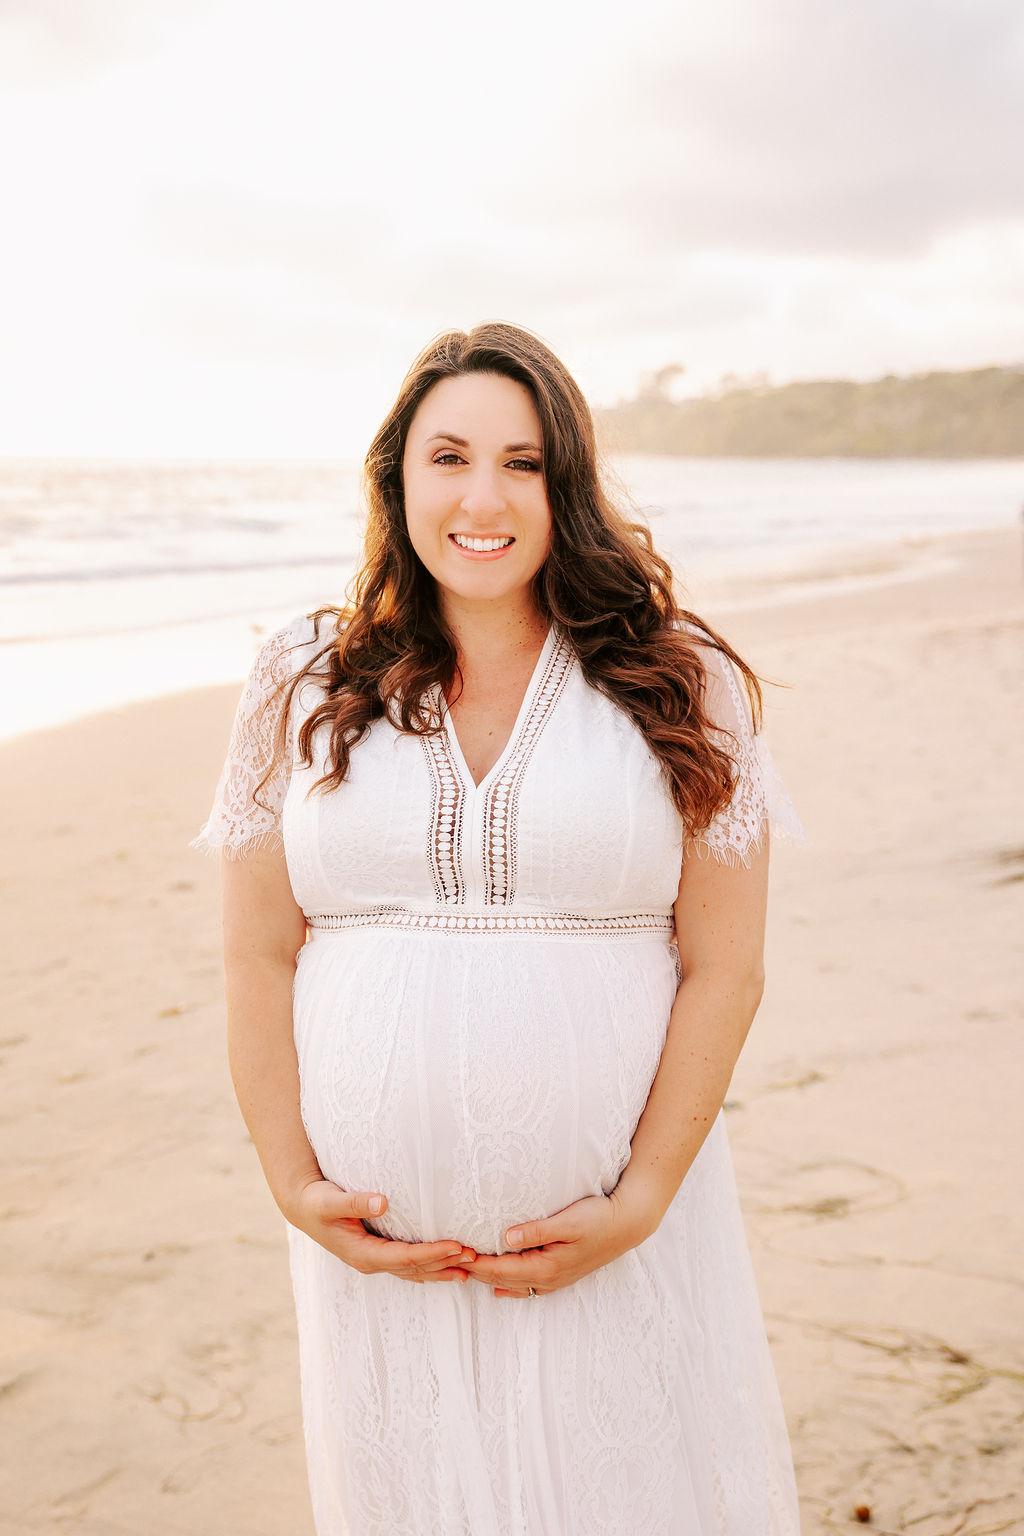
(469, 783)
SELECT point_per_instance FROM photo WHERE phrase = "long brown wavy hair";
(602, 582)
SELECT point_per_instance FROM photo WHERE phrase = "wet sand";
(149, 1379)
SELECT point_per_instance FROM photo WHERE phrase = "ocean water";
(126, 581)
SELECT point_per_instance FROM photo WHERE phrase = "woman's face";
(476, 505)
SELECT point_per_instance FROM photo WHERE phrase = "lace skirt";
(480, 1081)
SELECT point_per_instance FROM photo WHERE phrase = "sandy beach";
(149, 1377)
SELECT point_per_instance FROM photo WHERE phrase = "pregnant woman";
(495, 843)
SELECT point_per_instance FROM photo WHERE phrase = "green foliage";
(973, 414)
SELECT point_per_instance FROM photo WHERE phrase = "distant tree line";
(978, 413)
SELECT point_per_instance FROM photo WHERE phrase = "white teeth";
(465, 542)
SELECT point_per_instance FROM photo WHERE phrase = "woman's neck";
(491, 634)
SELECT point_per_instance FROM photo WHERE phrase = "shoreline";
(149, 1374)
(170, 660)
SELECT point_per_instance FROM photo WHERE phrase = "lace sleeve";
(759, 798)
(250, 793)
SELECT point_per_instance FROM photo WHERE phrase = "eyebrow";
(460, 442)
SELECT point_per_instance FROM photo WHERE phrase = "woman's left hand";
(561, 1249)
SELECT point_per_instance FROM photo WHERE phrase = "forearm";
(265, 1072)
(710, 1020)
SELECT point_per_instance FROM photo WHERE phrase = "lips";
(481, 546)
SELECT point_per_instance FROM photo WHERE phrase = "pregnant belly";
(476, 1081)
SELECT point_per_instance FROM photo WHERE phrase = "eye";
(449, 456)
(530, 465)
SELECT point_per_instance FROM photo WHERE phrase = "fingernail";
(515, 1237)
(376, 1204)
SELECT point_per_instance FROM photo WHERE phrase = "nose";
(482, 496)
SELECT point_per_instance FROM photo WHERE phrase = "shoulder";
(285, 655)
(290, 649)
(725, 694)
(697, 635)
(701, 641)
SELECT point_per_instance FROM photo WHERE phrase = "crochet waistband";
(623, 924)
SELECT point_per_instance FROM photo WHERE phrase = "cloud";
(269, 208)
(50, 44)
(261, 277)
(858, 128)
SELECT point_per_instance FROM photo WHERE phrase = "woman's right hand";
(333, 1217)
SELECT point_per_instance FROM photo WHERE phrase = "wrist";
(641, 1205)
(289, 1189)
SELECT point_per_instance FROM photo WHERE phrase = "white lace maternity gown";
(479, 1014)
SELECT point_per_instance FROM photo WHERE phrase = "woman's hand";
(563, 1248)
(333, 1218)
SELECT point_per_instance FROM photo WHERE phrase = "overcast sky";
(228, 225)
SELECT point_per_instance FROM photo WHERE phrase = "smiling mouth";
(481, 546)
